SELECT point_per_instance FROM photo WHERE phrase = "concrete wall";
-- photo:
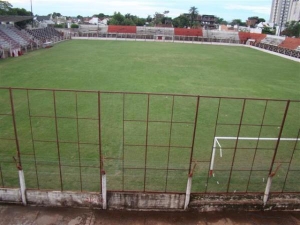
(52, 198)
(69, 199)
(154, 201)
(10, 195)
(253, 202)
(117, 200)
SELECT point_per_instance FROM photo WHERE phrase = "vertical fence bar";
(291, 159)
(32, 140)
(1, 175)
(194, 134)
(279, 135)
(100, 143)
(123, 156)
(271, 174)
(57, 140)
(15, 129)
(146, 147)
(236, 144)
(78, 141)
(215, 131)
(170, 140)
(256, 147)
(19, 163)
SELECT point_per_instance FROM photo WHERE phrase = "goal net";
(217, 145)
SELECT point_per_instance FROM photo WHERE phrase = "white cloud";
(254, 9)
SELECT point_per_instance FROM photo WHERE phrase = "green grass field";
(204, 70)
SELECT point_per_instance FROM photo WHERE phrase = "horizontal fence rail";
(148, 142)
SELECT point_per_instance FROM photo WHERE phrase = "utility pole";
(31, 12)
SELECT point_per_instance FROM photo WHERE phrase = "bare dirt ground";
(20, 215)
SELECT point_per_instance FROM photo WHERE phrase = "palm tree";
(193, 13)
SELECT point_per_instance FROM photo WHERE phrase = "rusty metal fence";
(147, 142)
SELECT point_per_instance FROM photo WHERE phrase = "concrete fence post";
(188, 192)
(22, 187)
(269, 184)
(267, 190)
(104, 190)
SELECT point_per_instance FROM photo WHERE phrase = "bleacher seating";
(163, 31)
(122, 29)
(6, 41)
(244, 36)
(221, 35)
(272, 40)
(188, 32)
(15, 35)
(45, 34)
(291, 43)
(83, 28)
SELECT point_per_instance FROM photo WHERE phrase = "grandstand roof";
(14, 19)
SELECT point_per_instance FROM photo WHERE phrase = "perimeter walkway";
(19, 215)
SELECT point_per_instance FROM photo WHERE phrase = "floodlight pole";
(31, 12)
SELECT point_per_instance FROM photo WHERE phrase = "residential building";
(294, 13)
(280, 12)
(206, 21)
(43, 21)
(98, 21)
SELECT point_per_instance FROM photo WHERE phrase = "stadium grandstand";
(14, 41)
(282, 45)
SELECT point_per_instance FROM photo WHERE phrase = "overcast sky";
(227, 9)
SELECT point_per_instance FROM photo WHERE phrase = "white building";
(280, 12)
(97, 21)
(294, 13)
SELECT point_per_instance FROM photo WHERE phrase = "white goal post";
(218, 139)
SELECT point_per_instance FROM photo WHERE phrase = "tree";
(268, 30)
(181, 21)
(7, 10)
(193, 13)
(221, 21)
(149, 19)
(140, 22)
(158, 17)
(238, 22)
(74, 25)
(117, 19)
(101, 15)
(5, 6)
(54, 15)
(261, 20)
(292, 29)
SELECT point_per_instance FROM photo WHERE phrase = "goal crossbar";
(216, 142)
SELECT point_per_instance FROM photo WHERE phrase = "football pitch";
(149, 141)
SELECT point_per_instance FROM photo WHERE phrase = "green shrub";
(74, 26)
